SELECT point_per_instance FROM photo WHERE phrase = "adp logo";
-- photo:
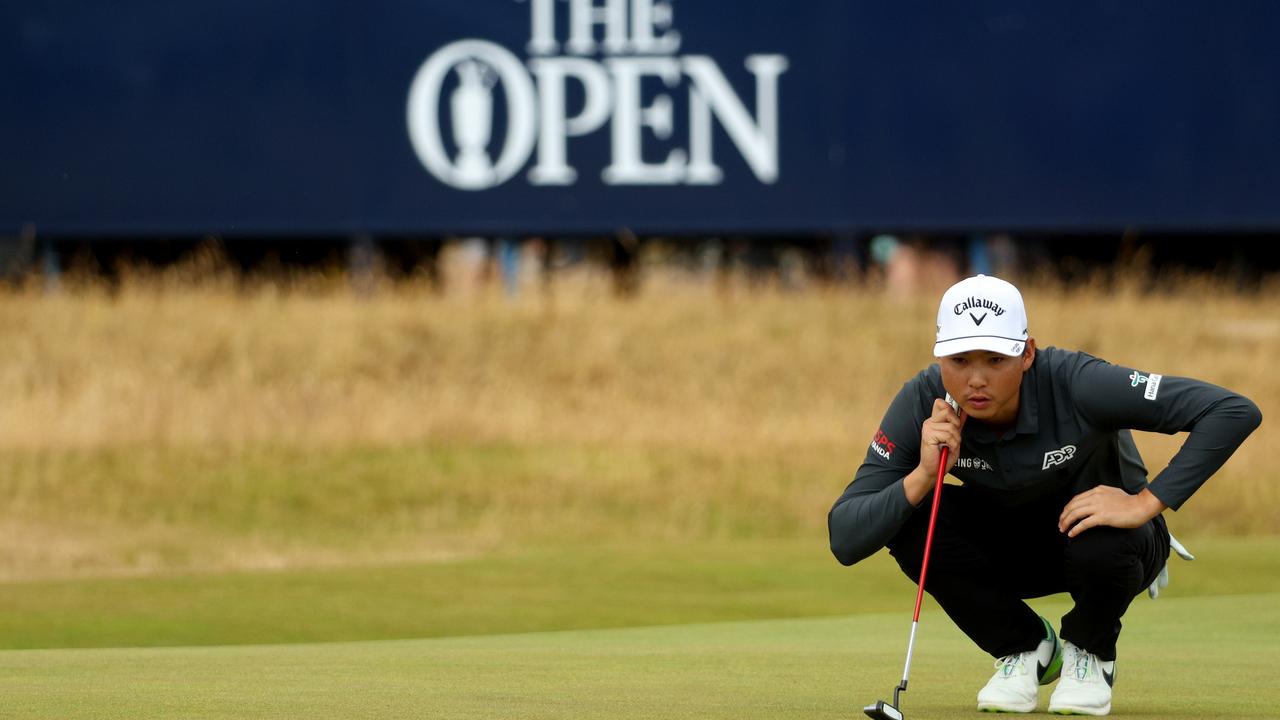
(465, 81)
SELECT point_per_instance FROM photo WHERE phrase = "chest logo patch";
(973, 463)
(1057, 457)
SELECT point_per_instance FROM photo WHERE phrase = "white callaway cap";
(981, 313)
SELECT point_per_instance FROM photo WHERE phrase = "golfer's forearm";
(1209, 444)
(916, 485)
(861, 524)
(1150, 503)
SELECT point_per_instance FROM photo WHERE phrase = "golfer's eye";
(996, 361)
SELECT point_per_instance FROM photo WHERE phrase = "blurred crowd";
(900, 263)
(897, 262)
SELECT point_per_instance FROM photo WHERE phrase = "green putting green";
(1201, 657)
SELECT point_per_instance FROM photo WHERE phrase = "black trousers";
(988, 559)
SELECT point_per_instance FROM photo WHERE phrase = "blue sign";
(671, 116)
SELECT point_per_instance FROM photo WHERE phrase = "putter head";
(881, 710)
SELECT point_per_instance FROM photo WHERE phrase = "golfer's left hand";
(1108, 506)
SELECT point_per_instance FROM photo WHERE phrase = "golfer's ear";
(1029, 354)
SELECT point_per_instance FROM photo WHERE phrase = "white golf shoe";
(1085, 687)
(1015, 688)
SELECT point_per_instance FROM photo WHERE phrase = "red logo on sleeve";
(882, 445)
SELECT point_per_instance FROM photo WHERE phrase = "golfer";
(1055, 496)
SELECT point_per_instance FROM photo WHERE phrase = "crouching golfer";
(1055, 495)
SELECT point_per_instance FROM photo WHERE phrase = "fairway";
(1199, 657)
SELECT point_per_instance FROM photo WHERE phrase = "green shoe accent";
(1054, 670)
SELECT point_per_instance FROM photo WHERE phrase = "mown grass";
(581, 586)
(137, 510)
(1180, 658)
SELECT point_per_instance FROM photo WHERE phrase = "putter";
(881, 710)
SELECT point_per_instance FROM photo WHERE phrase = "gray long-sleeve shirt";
(1072, 433)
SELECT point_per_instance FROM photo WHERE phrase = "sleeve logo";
(882, 445)
(1152, 382)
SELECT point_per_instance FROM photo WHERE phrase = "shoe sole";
(1105, 709)
(1006, 709)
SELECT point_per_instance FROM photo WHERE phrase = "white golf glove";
(1162, 580)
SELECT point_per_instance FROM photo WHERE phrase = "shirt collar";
(1029, 402)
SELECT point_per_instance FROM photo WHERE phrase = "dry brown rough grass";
(762, 378)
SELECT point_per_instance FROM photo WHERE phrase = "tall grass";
(162, 424)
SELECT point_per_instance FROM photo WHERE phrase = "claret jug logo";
(454, 101)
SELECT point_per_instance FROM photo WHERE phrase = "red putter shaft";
(933, 514)
(928, 538)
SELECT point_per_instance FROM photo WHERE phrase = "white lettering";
(1057, 457)
(584, 16)
(629, 117)
(542, 40)
(646, 16)
(973, 463)
(553, 127)
(758, 142)
(469, 89)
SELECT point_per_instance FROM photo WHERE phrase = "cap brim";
(1011, 347)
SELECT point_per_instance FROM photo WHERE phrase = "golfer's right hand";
(942, 429)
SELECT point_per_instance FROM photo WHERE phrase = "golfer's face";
(985, 383)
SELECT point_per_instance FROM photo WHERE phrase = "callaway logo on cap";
(981, 313)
